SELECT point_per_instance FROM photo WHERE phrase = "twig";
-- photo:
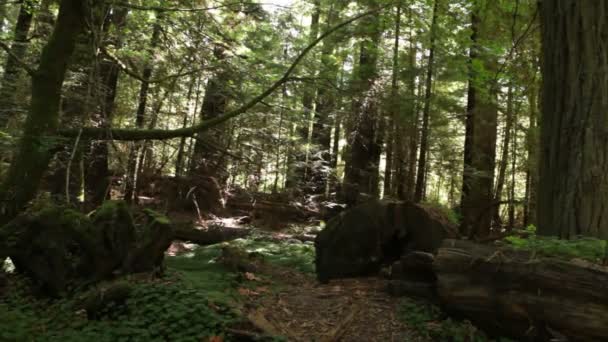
(21, 63)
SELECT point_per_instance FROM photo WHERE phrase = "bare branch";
(125, 134)
(21, 63)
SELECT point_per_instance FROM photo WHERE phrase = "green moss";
(583, 248)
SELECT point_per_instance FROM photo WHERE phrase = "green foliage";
(154, 312)
(583, 248)
(429, 322)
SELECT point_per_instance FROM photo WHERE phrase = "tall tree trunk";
(298, 169)
(12, 70)
(573, 187)
(504, 160)
(410, 149)
(395, 110)
(132, 167)
(325, 104)
(478, 191)
(426, 112)
(98, 175)
(532, 142)
(179, 161)
(36, 144)
(208, 161)
(361, 166)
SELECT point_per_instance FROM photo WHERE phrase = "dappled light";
(304, 170)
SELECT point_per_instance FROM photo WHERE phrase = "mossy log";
(61, 249)
(513, 293)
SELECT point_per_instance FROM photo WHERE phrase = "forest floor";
(205, 295)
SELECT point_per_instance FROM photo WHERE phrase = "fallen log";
(513, 293)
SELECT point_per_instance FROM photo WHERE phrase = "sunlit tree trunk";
(573, 187)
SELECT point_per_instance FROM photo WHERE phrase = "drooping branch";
(126, 134)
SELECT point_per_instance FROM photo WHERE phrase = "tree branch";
(21, 63)
(183, 9)
(124, 68)
(125, 134)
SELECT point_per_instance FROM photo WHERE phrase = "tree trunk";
(480, 143)
(532, 144)
(504, 160)
(34, 151)
(395, 111)
(12, 71)
(297, 173)
(361, 166)
(324, 106)
(207, 161)
(98, 175)
(573, 187)
(426, 112)
(132, 167)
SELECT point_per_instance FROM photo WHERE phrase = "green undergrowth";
(197, 299)
(194, 264)
(429, 322)
(589, 249)
(155, 311)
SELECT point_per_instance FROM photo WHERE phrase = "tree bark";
(419, 193)
(34, 151)
(573, 187)
(12, 71)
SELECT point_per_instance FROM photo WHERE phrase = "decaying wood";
(515, 293)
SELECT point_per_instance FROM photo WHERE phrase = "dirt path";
(301, 309)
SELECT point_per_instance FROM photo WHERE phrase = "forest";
(304, 170)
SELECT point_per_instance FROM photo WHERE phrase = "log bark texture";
(513, 293)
